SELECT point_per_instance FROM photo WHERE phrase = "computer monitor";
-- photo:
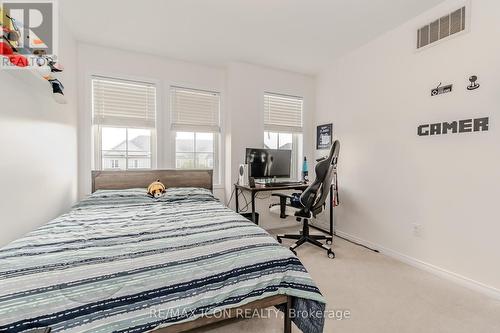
(268, 163)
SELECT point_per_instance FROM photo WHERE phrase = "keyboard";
(283, 184)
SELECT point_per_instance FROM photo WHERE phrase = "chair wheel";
(329, 242)
(331, 254)
(279, 240)
(293, 251)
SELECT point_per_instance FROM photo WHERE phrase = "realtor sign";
(28, 30)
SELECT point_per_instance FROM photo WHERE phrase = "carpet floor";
(383, 295)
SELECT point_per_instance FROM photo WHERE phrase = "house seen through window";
(125, 148)
(194, 150)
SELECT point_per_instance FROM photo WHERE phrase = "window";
(197, 110)
(194, 150)
(283, 113)
(125, 148)
(274, 140)
(287, 141)
(124, 120)
(283, 126)
(196, 124)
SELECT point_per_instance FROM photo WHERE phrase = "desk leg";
(236, 201)
(253, 208)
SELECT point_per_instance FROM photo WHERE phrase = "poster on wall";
(324, 134)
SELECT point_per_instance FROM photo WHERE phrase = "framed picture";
(324, 134)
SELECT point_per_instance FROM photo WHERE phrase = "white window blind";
(195, 110)
(282, 113)
(123, 103)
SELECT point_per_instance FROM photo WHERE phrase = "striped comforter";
(121, 261)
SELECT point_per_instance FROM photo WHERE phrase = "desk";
(261, 188)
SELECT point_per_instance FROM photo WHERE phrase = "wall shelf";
(32, 77)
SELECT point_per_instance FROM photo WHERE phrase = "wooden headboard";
(120, 180)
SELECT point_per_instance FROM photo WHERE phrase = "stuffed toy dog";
(156, 189)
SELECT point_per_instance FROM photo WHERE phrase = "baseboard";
(456, 278)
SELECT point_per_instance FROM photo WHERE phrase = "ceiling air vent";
(444, 27)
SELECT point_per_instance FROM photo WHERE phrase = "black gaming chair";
(312, 202)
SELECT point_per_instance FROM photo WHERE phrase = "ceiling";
(297, 35)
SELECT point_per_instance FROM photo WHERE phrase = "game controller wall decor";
(44, 66)
(473, 84)
(441, 89)
(457, 126)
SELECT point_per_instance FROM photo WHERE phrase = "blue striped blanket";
(121, 261)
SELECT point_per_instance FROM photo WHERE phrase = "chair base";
(311, 239)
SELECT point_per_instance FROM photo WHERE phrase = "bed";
(121, 261)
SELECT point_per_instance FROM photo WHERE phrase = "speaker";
(243, 174)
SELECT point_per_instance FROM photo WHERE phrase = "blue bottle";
(305, 170)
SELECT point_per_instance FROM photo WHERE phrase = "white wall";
(96, 60)
(38, 163)
(242, 87)
(389, 177)
(246, 85)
